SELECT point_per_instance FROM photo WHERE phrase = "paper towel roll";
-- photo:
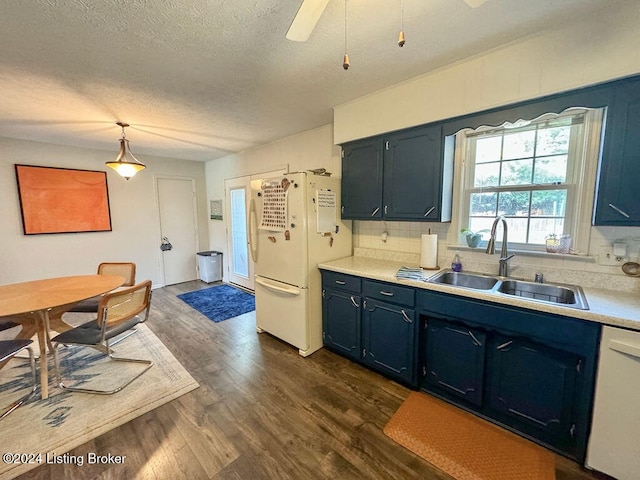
(429, 251)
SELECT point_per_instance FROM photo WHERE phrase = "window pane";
(553, 140)
(514, 204)
(488, 149)
(483, 204)
(551, 169)
(540, 228)
(517, 230)
(481, 223)
(517, 172)
(518, 145)
(549, 203)
(486, 175)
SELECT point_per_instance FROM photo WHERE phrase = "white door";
(239, 264)
(177, 210)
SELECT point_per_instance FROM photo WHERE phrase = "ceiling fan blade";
(474, 3)
(306, 19)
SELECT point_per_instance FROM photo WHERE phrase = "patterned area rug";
(68, 419)
(465, 446)
(220, 302)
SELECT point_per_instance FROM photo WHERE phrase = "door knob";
(166, 244)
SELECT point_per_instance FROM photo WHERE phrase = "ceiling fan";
(310, 12)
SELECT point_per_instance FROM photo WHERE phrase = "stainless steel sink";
(476, 281)
(557, 294)
(569, 295)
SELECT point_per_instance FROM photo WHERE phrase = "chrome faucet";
(491, 246)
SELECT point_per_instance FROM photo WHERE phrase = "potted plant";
(473, 238)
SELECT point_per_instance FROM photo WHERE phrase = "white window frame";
(581, 178)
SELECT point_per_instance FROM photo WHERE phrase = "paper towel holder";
(436, 267)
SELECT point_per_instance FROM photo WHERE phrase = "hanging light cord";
(401, 41)
(345, 60)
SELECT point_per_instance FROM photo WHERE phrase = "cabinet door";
(535, 386)
(617, 196)
(341, 322)
(362, 179)
(454, 359)
(388, 339)
(413, 174)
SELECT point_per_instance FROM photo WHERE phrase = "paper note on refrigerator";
(326, 211)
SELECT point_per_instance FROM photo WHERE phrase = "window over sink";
(539, 174)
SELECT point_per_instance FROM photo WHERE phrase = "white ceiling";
(199, 79)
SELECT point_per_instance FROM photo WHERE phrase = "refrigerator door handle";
(252, 228)
(277, 287)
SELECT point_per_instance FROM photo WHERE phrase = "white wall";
(311, 149)
(134, 217)
(588, 51)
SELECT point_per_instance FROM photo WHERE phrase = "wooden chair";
(123, 269)
(118, 311)
(8, 350)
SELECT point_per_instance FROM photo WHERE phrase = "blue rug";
(220, 302)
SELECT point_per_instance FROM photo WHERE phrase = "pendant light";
(401, 35)
(345, 59)
(125, 163)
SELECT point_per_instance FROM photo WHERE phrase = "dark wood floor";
(261, 412)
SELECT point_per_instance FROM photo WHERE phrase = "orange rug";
(465, 446)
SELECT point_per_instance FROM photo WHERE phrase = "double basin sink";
(549, 293)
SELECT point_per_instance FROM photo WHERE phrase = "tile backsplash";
(400, 241)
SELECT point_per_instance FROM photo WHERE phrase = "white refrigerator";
(294, 224)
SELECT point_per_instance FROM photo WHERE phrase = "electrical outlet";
(607, 257)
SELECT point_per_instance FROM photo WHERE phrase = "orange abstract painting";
(62, 200)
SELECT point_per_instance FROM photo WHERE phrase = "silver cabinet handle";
(385, 209)
(475, 340)
(504, 345)
(342, 209)
(386, 294)
(428, 211)
(375, 211)
(406, 318)
(353, 301)
(621, 212)
(341, 282)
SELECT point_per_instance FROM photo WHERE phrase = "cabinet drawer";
(341, 281)
(389, 292)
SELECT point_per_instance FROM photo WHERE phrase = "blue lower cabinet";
(454, 360)
(533, 387)
(341, 322)
(389, 339)
(530, 372)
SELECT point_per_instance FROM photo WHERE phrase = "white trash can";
(210, 266)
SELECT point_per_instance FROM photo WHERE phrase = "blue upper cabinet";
(399, 176)
(618, 200)
(362, 179)
(417, 181)
(408, 175)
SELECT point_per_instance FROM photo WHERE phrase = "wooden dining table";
(38, 307)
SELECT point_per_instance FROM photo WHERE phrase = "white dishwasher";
(614, 444)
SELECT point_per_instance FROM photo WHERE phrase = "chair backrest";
(123, 269)
(123, 304)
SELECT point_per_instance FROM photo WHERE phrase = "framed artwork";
(216, 209)
(62, 200)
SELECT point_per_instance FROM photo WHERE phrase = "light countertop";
(605, 306)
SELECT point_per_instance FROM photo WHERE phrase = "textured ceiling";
(200, 79)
